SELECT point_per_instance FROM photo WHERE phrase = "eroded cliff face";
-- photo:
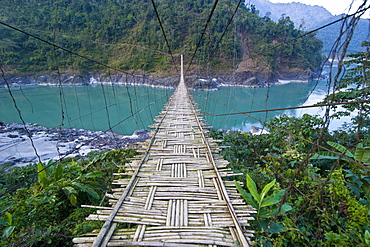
(256, 66)
(260, 70)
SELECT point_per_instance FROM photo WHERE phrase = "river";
(119, 108)
(124, 109)
(230, 100)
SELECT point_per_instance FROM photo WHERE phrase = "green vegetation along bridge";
(176, 195)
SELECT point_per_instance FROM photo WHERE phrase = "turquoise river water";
(103, 107)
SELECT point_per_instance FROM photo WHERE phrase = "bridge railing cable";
(19, 114)
(202, 35)
(78, 147)
(163, 32)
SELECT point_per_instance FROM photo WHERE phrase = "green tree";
(99, 28)
(354, 87)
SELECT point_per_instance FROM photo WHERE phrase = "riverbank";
(16, 147)
(68, 79)
(195, 82)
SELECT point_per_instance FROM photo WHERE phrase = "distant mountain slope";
(329, 34)
(309, 17)
(299, 13)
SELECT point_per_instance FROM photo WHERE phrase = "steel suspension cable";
(163, 32)
(362, 11)
(291, 108)
(203, 32)
(225, 30)
(20, 114)
(76, 148)
(296, 136)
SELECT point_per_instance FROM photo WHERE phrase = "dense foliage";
(308, 194)
(355, 86)
(320, 200)
(127, 35)
(45, 209)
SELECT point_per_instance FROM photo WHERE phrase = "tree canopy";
(127, 35)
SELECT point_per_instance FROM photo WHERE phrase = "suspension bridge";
(176, 195)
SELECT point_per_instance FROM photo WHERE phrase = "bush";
(45, 210)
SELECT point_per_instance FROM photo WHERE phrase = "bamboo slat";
(174, 194)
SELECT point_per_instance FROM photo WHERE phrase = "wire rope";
(163, 32)
(76, 148)
(202, 35)
(301, 138)
(362, 11)
(198, 45)
(291, 108)
(20, 114)
(213, 53)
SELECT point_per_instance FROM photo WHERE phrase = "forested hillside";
(330, 34)
(308, 17)
(304, 16)
(127, 35)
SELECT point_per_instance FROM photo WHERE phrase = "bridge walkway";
(176, 195)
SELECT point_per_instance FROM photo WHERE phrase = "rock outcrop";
(249, 74)
(58, 143)
(90, 78)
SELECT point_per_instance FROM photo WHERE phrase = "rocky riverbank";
(16, 147)
(68, 78)
(243, 78)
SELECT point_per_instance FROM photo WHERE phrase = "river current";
(124, 109)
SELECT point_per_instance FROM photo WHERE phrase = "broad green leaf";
(275, 228)
(267, 188)
(94, 174)
(367, 237)
(362, 154)
(6, 208)
(38, 233)
(87, 189)
(356, 180)
(41, 173)
(265, 213)
(9, 218)
(354, 188)
(8, 231)
(50, 163)
(324, 155)
(251, 185)
(45, 182)
(247, 196)
(73, 199)
(285, 208)
(273, 199)
(341, 149)
(58, 172)
(360, 145)
(70, 190)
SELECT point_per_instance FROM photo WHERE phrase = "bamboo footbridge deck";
(176, 195)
